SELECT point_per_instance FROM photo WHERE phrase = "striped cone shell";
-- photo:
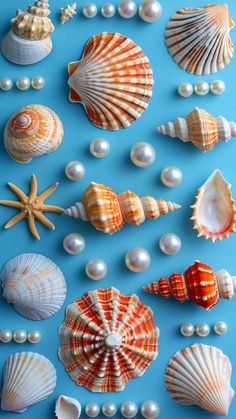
(107, 339)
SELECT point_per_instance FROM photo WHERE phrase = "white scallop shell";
(34, 284)
(67, 408)
(28, 379)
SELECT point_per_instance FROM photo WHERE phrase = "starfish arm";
(14, 220)
(44, 220)
(12, 204)
(45, 194)
(32, 227)
(33, 188)
(18, 192)
(51, 208)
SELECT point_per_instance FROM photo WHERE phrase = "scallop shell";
(200, 375)
(113, 81)
(34, 285)
(214, 214)
(198, 38)
(67, 13)
(28, 379)
(31, 132)
(107, 339)
(67, 408)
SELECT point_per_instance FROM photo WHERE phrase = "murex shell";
(67, 13)
(198, 38)
(34, 284)
(28, 378)
(107, 339)
(31, 132)
(200, 375)
(67, 408)
(113, 81)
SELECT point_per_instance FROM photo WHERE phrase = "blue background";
(117, 171)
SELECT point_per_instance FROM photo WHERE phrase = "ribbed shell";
(113, 81)
(34, 284)
(200, 375)
(198, 38)
(67, 408)
(67, 13)
(28, 378)
(107, 339)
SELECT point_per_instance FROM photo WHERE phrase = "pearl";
(108, 10)
(90, 10)
(187, 329)
(23, 83)
(137, 259)
(171, 176)
(170, 244)
(220, 328)
(99, 148)
(109, 409)
(202, 330)
(150, 11)
(34, 336)
(38, 82)
(75, 170)
(96, 269)
(201, 88)
(217, 87)
(129, 409)
(92, 410)
(5, 336)
(142, 154)
(185, 89)
(74, 243)
(127, 9)
(150, 409)
(6, 84)
(20, 336)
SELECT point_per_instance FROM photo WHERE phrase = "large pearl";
(96, 269)
(99, 148)
(150, 409)
(92, 410)
(109, 409)
(75, 170)
(127, 9)
(202, 330)
(185, 89)
(187, 329)
(34, 336)
(90, 10)
(23, 83)
(6, 84)
(129, 409)
(108, 10)
(217, 87)
(170, 244)
(142, 154)
(171, 176)
(220, 328)
(20, 336)
(38, 82)
(137, 259)
(201, 88)
(5, 336)
(74, 243)
(150, 11)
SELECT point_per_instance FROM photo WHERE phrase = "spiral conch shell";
(67, 13)
(113, 81)
(108, 212)
(198, 38)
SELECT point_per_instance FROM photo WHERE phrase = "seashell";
(108, 212)
(31, 132)
(201, 128)
(200, 375)
(199, 284)
(198, 38)
(107, 339)
(28, 378)
(67, 408)
(34, 284)
(113, 81)
(67, 13)
(214, 214)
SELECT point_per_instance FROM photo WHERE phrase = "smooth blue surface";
(117, 171)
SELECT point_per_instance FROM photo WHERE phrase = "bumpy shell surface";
(113, 81)
(198, 38)
(107, 339)
(67, 408)
(200, 375)
(67, 13)
(34, 284)
(28, 378)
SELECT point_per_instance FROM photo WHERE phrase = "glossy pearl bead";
(150, 409)
(187, 329)
(20, 336)
(170, 244)
(75, 170)
(34, 336)
(38, 82)
(74, 243)
(5, 336)
(137, 259)
(109, 409)
(217, 87)
(220, 328)
(23, 83)
(108, 10)
(96, 269)
(142, 154)
(127, 9)
(150, 11)
(201, 88)
(90, 10)
(6, 84)
(185, 89)
(92, 410)
(99, 148)
(129, 409)
(171, 176)
(202, 330)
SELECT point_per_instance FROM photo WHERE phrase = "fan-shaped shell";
(67, 408)
(34, 284)
(28, 378)
(200, 375)
(198, 38)
(113, 81)
(31, 132)
(107, 339)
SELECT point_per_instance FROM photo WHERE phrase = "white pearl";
(170, 243)
(185, 89)
(217, 87)
(99, 147)
(74, 243)
(201, 88)
(90, 10)
(109, 409)
(96, 269)
(142, 154)
(127, 9)
(5, 336)
(108, 10)
(150, 409)
(20, 336)
(6, 84)
(202, 330)
(92, 410)
(137, 259)
(23, 83)
(129, 409)
(75, 170)
(150, 11)
(171, 176)
(187, 329)
(38, 82)
(34, 336)
(220, 328)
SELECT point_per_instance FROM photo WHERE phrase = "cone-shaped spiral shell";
(28, 378)
(113, 81)
(31, 132)
(200, 375)
(34, 285)
(67, 408)
(198, 38)
(214, 214)
(107, 339)
(201, 128)
(67, 13)
(108, 212)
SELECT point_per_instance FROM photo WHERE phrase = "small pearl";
(99, 148)
(34, 336)
(20, 336)
(171, 176)
(109, 409)
(23, 83)
(150, 409)
(170, 244)
(137, 259)
(201, 88)
(187, 329)
(90, 10)
(6, 84)
(127, 9)
(185, 89)
(217, 87)
(5, 336)
(142, 154)
(74, 243)
(129, 409)
(108, 10)
(150, 11)
(202, 330)
(75, 170)
(220, 328)
(96, 269)
(92, 410)
(38, 82)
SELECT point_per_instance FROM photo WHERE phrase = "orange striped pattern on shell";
(131, 207)
(202, 129)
